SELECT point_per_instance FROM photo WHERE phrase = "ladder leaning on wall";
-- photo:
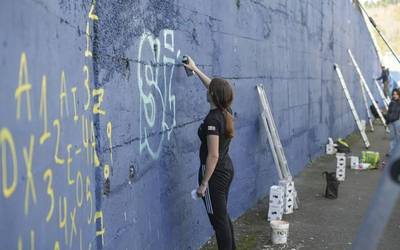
(363, 91)
(352, 107)
(275, 143)
(365, 85)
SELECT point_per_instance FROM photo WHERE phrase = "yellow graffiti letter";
(57, 245)
(88, 52)
(76, 117)
(93, 16)
(89, 197)
(73, 226)
(43, 111)
(69, 161)
(109, 135)
(30, 184)
(79, 189)
(20, 243)
(7, 138)
(87, 86)
(62, 220)
(63, 95)
(32, 240)
(99, 215)
(95, 161)
(85, 137)
(58, 160)
(48, 174)
(96, 106)
(23, 87)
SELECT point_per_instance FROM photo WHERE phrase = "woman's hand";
(191, 65)
(201, 190)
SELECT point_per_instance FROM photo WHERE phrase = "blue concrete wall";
(96, 89)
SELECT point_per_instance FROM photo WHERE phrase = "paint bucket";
(280, 231)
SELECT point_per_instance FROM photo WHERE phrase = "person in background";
(216, 168)
(392, 119)
(385, 80)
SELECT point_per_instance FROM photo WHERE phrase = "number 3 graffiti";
(157, 102)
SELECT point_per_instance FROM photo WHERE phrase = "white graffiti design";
(157, 102)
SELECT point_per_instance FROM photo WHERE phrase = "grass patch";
(387, 18)
(247, 242)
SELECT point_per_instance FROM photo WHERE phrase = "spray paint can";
(185, 60)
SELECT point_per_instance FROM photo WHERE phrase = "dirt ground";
(320, 223)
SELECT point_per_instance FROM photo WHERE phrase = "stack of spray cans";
(281, 200)
(340, 166)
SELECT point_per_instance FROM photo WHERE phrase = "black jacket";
(384, 76)
(393, 113)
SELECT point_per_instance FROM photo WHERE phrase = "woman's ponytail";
(229, 124)
(222, 95)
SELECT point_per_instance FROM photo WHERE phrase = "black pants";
(216, 200)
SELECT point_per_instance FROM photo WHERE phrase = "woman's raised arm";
(190, 64)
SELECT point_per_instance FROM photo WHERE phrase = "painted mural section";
(48, 127)
(98, 120)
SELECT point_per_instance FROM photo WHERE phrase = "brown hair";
(397, 92)
(221, 94)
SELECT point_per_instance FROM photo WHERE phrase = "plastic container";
(354, 162)
(370, 157)
(280, 231)
(364, 166)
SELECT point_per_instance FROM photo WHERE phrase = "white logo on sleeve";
(211, 128)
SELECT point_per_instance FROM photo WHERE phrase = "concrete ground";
(320, 223)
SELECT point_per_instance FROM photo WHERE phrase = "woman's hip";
(221, 177)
